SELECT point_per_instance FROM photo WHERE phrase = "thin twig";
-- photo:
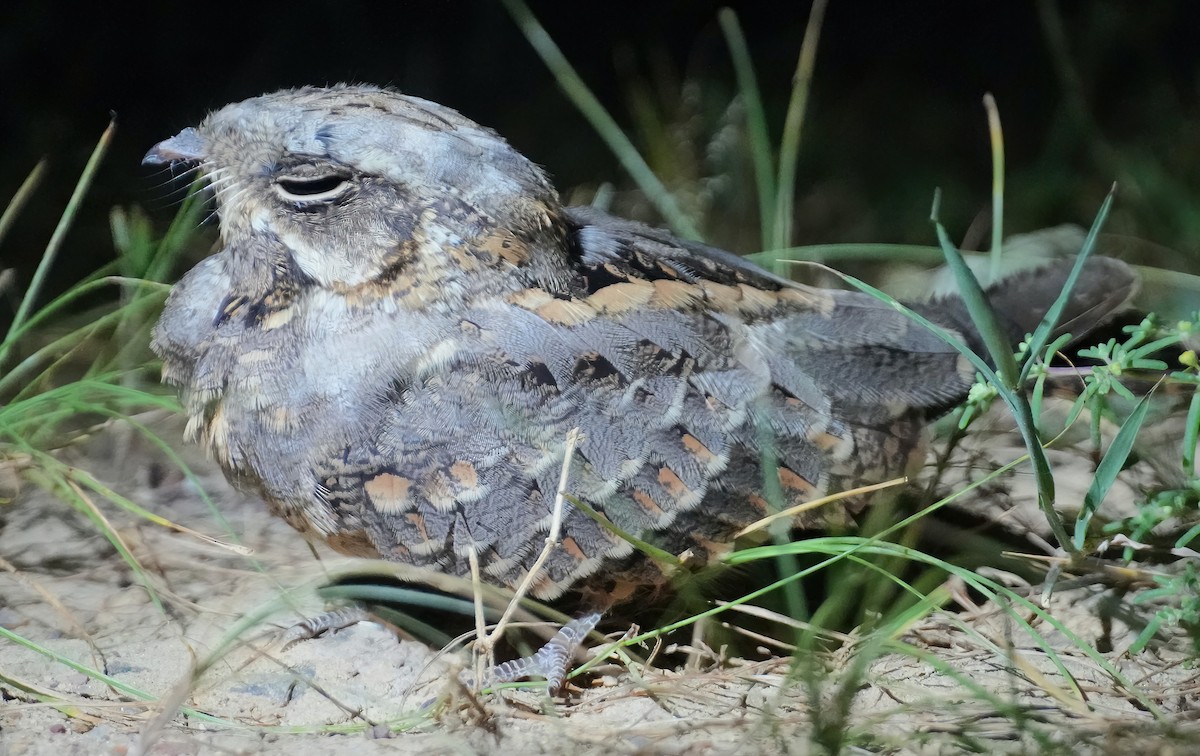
(573, 439)
(805, 506)
(488, 647)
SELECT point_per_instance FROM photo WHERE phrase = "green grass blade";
(1010, 386)
(56, 239)
(921, 254)
(977, 305)
(601, 121)
(59, 303)
(57, 479)
(1112, 463)
(108, 680)
(385, 601)
(1191, 434)
(182, 229)
(21, 198)
(789, 146)
(980, 364)
(824, 564)
(23, 378)
(997, 137)
(844, 547)
(664, 558)
(756, 121)
(1015, 399)
(1045, 329)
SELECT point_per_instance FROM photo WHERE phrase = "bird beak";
(185, 147)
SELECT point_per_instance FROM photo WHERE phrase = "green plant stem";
(1191, 434)
(21, 198)
(18, 379)
(1009, 386)
(892, 253)
(605, 126)
(756, 121)
(1041, 335)
(789, 147)
(1110, 466)
(977, 305)
(997, 136)
(56, 239)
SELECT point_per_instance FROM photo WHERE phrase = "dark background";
(895, 110)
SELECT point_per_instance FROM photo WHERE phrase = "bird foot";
(335, 619)
(552, 660)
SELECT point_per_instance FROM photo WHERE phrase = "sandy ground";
(975, 679)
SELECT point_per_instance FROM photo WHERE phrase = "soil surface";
(975, 679)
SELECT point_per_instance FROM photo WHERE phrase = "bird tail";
(1021, 301)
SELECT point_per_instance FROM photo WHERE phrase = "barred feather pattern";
(403, 324)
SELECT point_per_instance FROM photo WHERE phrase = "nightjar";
(403, 323)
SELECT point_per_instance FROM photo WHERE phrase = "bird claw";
(335, 619)
(551, 661)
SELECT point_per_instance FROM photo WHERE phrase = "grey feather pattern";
(395, 364)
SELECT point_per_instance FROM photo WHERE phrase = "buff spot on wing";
(464, 475)
(402, 285)
(824, 441)
(439, 490)
(808, 298)
(621, 297)
(709, 550)
(647, 502)
(389, 492)
(552, 309)
(675, 295)
(698, 449)
(571, 546)
(278, 318)
(398, 553)
(566, 312)
(722, 297)
(352, 543)
(544, 587)
(668, 479)
(469, 258)
(759, 503)
(231, 306)
(530, 299)
(469, 329)
(418, 522)
(506, 247)
(756, 300)
(793, 482)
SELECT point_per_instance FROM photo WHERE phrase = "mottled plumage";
(403, 323)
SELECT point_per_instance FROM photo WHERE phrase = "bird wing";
(683, 367)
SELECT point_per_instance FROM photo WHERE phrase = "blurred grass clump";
(74, 365)
(709, 169)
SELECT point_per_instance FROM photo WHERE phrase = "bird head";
(361, 185)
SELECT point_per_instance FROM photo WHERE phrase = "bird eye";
(311, 188)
